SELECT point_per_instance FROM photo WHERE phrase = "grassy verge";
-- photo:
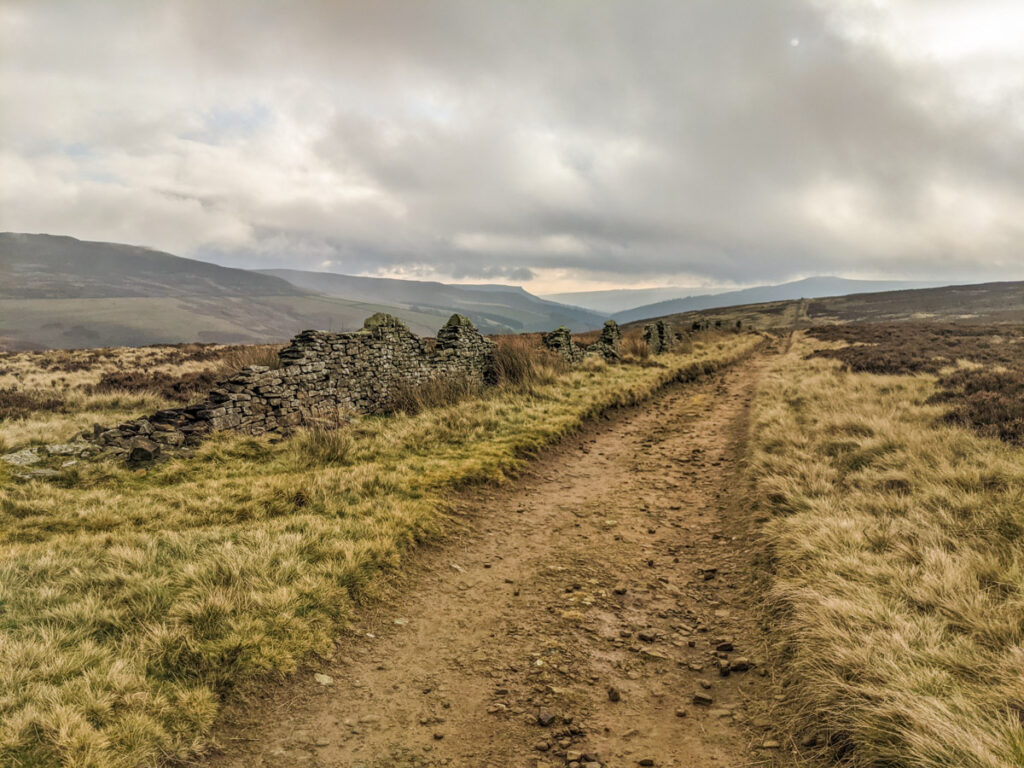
(131, 602)
(897, 590)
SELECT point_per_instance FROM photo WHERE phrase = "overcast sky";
(562, 145)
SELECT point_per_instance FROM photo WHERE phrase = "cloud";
(562, 145)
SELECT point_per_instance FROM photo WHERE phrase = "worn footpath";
(599, 611)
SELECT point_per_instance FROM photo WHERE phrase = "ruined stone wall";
(322, 375)
(608, 346)
(560, 342)
(656, 335)
(662, 337)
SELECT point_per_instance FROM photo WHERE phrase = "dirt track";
(619, 561)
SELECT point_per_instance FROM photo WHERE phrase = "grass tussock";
(434, 393)
(521, 361)
(134, 602)
(634, 346)
(897, 547)
(322, 446)
(237, 357)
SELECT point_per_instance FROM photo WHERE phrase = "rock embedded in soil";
(23, 458)
(703, 699)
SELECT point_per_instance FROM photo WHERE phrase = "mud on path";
(576, 615)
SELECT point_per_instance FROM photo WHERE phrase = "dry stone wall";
(321, 377)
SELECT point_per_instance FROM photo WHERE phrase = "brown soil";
(620, 560)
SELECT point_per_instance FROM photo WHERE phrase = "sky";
(557, 144)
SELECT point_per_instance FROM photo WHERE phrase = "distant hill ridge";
(988, 303)
(60, 292)
(808, 288)
(508, 307)
(58, 267)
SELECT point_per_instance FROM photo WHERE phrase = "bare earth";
(612, 569)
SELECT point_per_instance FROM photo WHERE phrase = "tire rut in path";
(614, 568)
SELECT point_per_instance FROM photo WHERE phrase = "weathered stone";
(23, 458)
(76, 448)
(38, 474)
(140, 449)
(113, 437)
(172, 437)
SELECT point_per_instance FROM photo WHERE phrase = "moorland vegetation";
(135, 600)
(895, 542)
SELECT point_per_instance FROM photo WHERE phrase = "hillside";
(809, 288)
(984, 302)
(493, 308)
(56, 267)
(59, 292)
(613, 301)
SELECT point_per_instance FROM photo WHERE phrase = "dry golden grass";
(523, 361)
(897, 586)
(634, 346)
(434, 393)
(132, 602)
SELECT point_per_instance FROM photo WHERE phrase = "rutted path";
(595, 591)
